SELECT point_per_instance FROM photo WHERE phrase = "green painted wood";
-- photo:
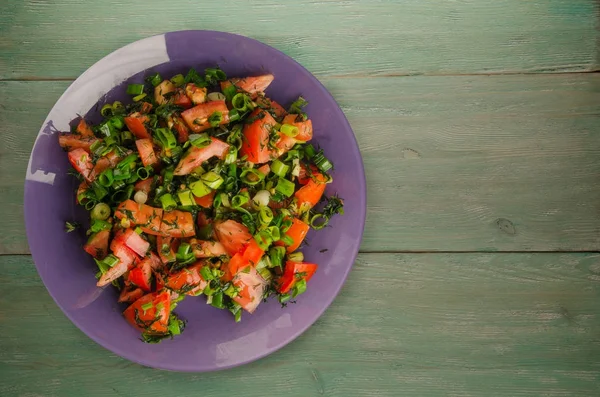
(415, 324)
(465, 163)
(61, 38)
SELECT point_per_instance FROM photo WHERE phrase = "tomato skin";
(141, 275)
(233, 235)
(145, 216)
(143, 186)
(84, 129)
(310, 194)
(207, 200)
(177, 224)
(305, 128)
(186, 280)
(196, 118)
(255, 144)
(134, 242)
(251, 289)
(146, 150)
(196, 156)
(82, 162)
(151, 320)
(291, 272)
(297, 232)
(135, 123)
(97, 244)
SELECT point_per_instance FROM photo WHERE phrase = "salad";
(201, 185)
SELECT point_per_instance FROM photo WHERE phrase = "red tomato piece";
(146, 150)
(143, 186)
(181, 99)
(265, 169)
(186, 280)
(154, 318)
(97, 244)
(84, 129)
(310, 194)
(251, 84)
(207, 249)
(297, 232)
(135, 123)
(145, 216)
(196, 94)
(251, 289)
(177, 224)
(295, 271)
(196, 156)
(135, 242)
(255, 144)
(207, 200)
(121, 251)
(146, 108)
(196, 118)
(112, 274)
(81, 161)
(176, 123)
(130, 294)
(72, 141)
(165, 248)
(141, 275)
(233, 235)
(305, 129)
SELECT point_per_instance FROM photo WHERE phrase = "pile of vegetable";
(200, 186)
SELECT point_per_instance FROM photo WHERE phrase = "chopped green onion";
(135, 89)
(206, 273)
(265, 216)
(138, 98)
(110, 260)
(289, 130)
(285, 187)
(279, 168)
(147, 306)
(101, 212)
(178, 80)
(318, 221)
(120, 174)
(276, 255)
(168, 202)
(167, 176)
(199, 188)
(212, 179)
(185, 254)
(118, 108)
(106, 178)
(286, 224)
(105, 129)
(126, 162)
(89, 205)
(296, 256)
(166, 138)
(192, 76)
(217, 300)
(215, 119)
(283, 298)
(107, 110)
(297, 107)
(263, 239)
(231, 291)
(200, 140)
(251, 177)
(99, 190)
(118, 184)
(265, 273)
(126, 137)
(186, 198)
(299, 288)
(287, 240)
(154, 79)
(175, 325)
(240, 199)
(309, 151)
(214, 75)
(322, 162)
(99, 225)
(144, 172)
(231, 156)
(234, 115)
(229, 92)
(274, 233)
(122, 195)
(240, 102)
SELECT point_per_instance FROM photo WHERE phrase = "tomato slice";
(196, 94)
(196, 156)
(177, 224)
(97, 244)
(135, 123)
(181, 99)
(186, 280)
(251, 84)
(310, 194)
(146, 150)
(144, 186)
(141, 275)
(135, 242)
(121, 251)
(296, 232)
(150, 312)
(295, 271)
(207, 249)
(81, 161)
(176, 123)
(273, 106)
(255, 144)
(130, 294)
(205, 201)
(196, 118)
(305, 128)
(165, 248)
(251, 289)
(147, 217)
(233, 235)
(84, 129)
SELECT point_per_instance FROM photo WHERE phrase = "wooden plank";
(414, 324)
(62, 38)
(466, 163)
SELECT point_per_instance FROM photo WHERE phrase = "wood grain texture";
(61, 38)
(470, 163)
(416, 325)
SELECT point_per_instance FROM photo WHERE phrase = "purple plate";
(212, 340)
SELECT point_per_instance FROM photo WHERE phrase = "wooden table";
(479, 124)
